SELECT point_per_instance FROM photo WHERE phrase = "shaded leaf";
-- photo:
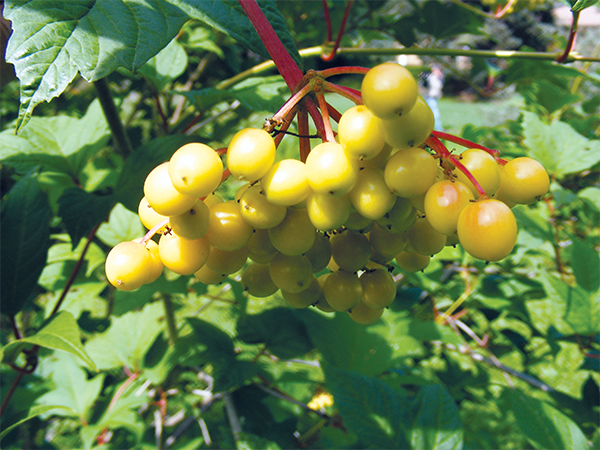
(25, 238)
(279, 329)
(81, 211)
(378, 414)
(34, 412)
(544, 426)
(437, 423)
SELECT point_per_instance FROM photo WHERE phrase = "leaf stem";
(10, 392)
(469, 144)
(75, 270)
(153, 231)
(112, 117)
(349, 93)
(572, 34)
(170, 316)
(327, 20)
(304, 143)
(329, 135)
(343, 71)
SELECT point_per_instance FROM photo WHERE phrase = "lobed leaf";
(52, 42)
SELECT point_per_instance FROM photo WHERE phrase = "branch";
(572, 34)
(112, 117)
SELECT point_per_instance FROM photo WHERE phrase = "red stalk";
(286, 65)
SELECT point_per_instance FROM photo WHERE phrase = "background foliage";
(109, 370)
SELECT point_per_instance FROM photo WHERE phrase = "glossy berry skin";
(291, 273)
(220, 261)
(162, 195)
(424, 239)
(330, 171)
(389, 90)
(157, 265)
(195, 169)
(305, 298)
(443, 204)
(370, 196)
(286, 183)
(524, 180)
(149, 217)
(410, 172)
(192, 224)
(365, 315)
(295, 235)
(227, 228)
(207, 276)
(257, 281)
(328, 213)
(358, 133)
(342, 290)
(258, 211)
(250, 154)
(412, 262)
(409, 130)
(183, 256)
(350, 251)
(487, 230)
(128, 265)
(483, 167)
(379, 288)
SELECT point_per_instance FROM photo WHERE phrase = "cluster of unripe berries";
(354, 206)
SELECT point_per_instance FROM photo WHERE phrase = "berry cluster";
(385, 190)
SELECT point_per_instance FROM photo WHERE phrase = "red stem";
(10, 392)
(336, 45)
(334, 113)
(16, 331)
(444, 153)
(165, 123)
(469, 144)
(349, 93)
(572, 34)
(327, 20)
(329, 136)
(343, 71)
(286, 65)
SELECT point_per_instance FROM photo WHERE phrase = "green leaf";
(25, 238)
(535, 224)
(437, 423)
(546, 97)
(218, 344)
(60, 333)
(378, 414)
(62, 143)
(127, 340)
(248, 441)
(122, 225)
(72, 389)
(559, 148)
(348, 345)
(81, 211)
(544, 426)
(582, 4)
(129, 189)
(52, 42)
(34, 412)
(443, 20)
(279, 329)
(585, 262)
(592, 195)
(167, 65)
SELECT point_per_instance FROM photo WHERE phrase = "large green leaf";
(122, 225)
(437, 423)
(378, 414)
(62, 143)
(279, 329)
(127, 340)
(559, 147)
(25, 238)
(167, 65)
(81, 211)
(544, 426)
(52, 42)
(72, 389)
(60, 333)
